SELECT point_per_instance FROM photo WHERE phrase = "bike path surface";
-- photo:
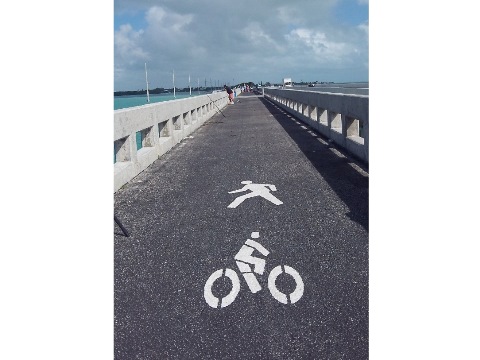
(182, 231)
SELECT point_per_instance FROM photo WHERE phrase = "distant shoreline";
(161, 91)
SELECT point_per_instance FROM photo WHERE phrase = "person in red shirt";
(229, 92)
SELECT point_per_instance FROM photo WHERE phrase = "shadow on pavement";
(334, 166)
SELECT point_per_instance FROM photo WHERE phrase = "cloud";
(249, 41)
(256, 37)
(128, 53)
(127, 45)
(168, 35)
(364, 27)
(159, 19)
(326, 50)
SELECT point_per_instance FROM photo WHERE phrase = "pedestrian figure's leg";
(271, 198)
(240, 199)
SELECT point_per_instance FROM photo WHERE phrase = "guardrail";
(342, 118)
(144, 133)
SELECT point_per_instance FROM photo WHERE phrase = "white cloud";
(249, 41)
(128, 54)
(257, 37)
(127, 48)
(364, 27)
(158, 18)
(326, 50)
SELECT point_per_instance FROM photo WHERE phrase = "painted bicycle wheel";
(214, 301)
(280, 296)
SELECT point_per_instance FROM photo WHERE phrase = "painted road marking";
(211, 299)
(262, 190)
(243, 258)
(277, 294)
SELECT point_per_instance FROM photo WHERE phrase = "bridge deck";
(182, 231)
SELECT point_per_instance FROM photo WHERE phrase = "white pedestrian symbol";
(243, 258)
(262, 190)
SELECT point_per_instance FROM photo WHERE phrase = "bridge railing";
(143, 133)
(342, 118)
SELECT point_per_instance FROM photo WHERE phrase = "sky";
(220, 42)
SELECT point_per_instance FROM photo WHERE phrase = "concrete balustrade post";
(122, 150)
(337, 116)
(131, 144)
(352, 126)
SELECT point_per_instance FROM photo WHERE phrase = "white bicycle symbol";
(243, 259)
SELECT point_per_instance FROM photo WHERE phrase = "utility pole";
(173, 84)
(146, 79)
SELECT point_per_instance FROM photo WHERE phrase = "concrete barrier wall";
(340, 117)
(159, 127)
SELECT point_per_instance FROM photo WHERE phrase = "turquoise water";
(122, 102)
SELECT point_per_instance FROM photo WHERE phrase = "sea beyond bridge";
(247, 228)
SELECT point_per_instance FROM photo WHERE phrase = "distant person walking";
(229, 92)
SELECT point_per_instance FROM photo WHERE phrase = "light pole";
(173, 84)
(146, 79)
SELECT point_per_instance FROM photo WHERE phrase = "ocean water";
(127, 101)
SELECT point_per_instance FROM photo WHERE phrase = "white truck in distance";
(287, 82)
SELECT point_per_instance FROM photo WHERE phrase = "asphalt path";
(182, 231)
